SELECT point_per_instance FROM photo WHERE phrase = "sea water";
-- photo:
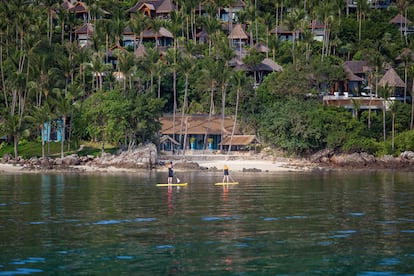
(359, 223)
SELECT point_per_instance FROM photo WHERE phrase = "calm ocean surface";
(271, 224)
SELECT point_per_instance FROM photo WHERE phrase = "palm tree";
(172, 62)
(40, 115)
(156, 24)
(239, 81)
(104, 29)
(209, 80)
(407, 57)
(150, 63)
(412, 102)
(211, 25)
(393, 108)
(224, 53)
(50, 6)
(362, 10)
(268, 22)
(403, 7)
(99, 69)
(385, 93)
(375, 61)
(326, 11)
(126, 65)
(293, 22)
(185, 66)
(13, 127)
(63, 104)
(138, 23)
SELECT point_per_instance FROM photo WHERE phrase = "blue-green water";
(270, 224)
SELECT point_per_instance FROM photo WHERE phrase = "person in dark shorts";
(226, 174)
(170, 173)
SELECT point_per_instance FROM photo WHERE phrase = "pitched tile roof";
(86, 29)
(159, 6)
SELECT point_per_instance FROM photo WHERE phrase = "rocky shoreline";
(146, 158)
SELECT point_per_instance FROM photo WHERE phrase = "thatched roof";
(141, 51)
(399, 19)
(266, 65)
(238, 33)
(240, 140)
(197, 124)
(406, 53)
(261, 47)
(269, 65)
(356, 67)
(351, 76)
(391, 79)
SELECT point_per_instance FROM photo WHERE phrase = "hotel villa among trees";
(208, 76)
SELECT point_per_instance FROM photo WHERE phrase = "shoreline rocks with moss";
(330, 158)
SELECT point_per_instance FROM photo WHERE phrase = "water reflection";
(353, 223)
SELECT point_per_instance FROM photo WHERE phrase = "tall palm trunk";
(210, 113)
(62, 144)
(412, 107)
(235, 119)
(223, 109)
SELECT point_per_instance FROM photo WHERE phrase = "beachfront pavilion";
(197, 132)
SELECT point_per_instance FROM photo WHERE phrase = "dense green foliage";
(45, 75)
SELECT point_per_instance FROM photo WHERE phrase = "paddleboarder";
(170, 173)
(226, 174)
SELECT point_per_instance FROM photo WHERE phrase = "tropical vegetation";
(46, 75)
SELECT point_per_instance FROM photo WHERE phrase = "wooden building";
(197, 132)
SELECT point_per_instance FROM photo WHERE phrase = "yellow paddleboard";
(225, 183)
(172, 185)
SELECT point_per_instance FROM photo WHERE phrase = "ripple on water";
(296, 217)
(111, 221)
(377, 273)
(165, 246)
(407, 231)
(115, 221)
(270, 219)
(21, 271)
(390, 261)
(357, 214)
(30, 260)
(124, 257)
(220, 218)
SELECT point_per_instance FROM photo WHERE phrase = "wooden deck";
(350, 102)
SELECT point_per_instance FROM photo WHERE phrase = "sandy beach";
(262, 165)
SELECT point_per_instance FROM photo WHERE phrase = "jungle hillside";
(102, 91)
